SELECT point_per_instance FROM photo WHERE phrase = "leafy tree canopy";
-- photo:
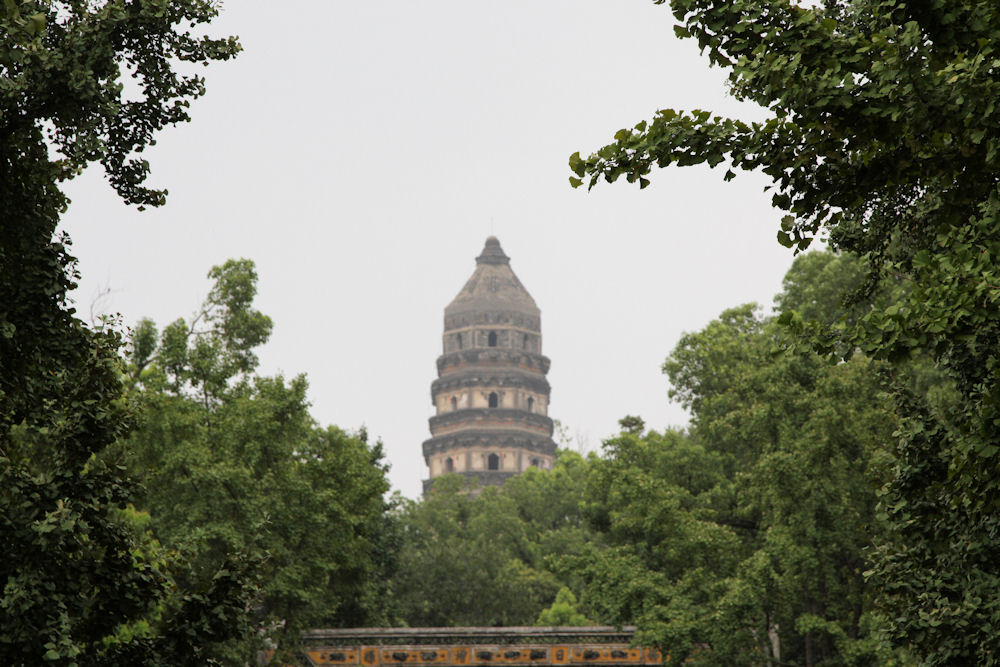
(563, 612)
(74, 581)
(491, 558)
(743, 540)
(883, 137)
(233, 462)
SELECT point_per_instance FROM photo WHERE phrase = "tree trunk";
(772, 634)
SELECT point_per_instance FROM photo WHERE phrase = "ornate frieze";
(468, 647)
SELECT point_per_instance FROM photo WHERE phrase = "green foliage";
(463, 562)
(563, 611)
(744, 540)
(823, 287)
(73, 577)
(883, 135)
(61, 86)
(490, 559)
(217, 346)
(234, 463)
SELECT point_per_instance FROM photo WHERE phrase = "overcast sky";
(361, 152)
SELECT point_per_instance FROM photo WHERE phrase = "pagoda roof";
(493, 287)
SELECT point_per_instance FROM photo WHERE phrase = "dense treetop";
(76, 584)
(882, 137)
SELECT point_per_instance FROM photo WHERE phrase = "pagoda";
(491, 397)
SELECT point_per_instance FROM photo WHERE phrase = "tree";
(823, 286)
(563, 611)
(882, 135)
(742, 542)
(233, 462)
(467, 561)
(72, 574)
(493, 558)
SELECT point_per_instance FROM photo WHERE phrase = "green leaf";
(35, 24)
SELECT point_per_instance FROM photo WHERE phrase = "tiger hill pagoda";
(491, 397)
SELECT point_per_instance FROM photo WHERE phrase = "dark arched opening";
(492, 339)
(458, 340)
(493, 462)
(531, 404)
(454, 404)
(494, 400)
(449, 465)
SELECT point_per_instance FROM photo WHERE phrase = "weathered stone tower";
(491, 395)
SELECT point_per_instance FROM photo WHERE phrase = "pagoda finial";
(492, 253)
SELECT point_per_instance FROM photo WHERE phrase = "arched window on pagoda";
(494, 400)
(493, 462)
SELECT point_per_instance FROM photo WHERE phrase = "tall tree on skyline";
(72, 575)
(233, 462)
(882, 136)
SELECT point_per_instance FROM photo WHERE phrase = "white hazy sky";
(361, 152)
